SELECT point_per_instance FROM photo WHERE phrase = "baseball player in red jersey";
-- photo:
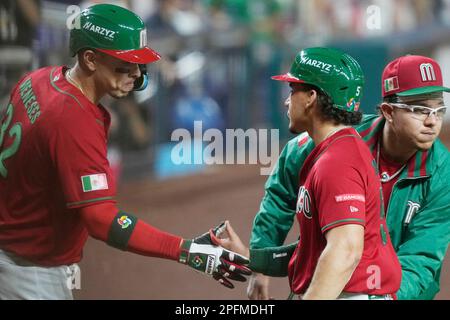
(340, 216)
(56, 186)
(344, 250)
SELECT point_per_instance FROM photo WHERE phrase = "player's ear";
(386, 110)
(312, 98)
(89, 59)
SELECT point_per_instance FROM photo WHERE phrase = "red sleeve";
(77, 143)
(145, 239)
(340, 195)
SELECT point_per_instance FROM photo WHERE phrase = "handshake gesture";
(205, 255)
(221, 254)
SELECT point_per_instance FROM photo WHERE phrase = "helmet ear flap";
(142, 82)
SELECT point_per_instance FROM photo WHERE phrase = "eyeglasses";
(421, 112)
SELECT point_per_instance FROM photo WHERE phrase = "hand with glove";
(206, 256)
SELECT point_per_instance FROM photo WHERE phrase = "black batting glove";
(204, 255)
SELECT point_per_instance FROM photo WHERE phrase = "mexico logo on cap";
(427, 72)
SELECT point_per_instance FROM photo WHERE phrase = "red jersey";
(339, 186)
(52, 160)
(392, 169)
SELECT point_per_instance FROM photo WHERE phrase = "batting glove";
(203, 254)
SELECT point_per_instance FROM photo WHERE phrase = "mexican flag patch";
(94, 182)
(391, 84)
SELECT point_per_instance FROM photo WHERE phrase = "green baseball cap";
(113, 30)
(334, 72)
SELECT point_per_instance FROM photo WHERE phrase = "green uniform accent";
(184, 252)
(15, 132)
(420, 239)
(356, 221)
(272, 261)
(53, 83)
(72, 204)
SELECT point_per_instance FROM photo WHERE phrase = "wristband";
(184, 251)
(121, 229)
(272, 261)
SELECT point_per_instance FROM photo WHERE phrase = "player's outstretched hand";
(225, 236)
(204, 255)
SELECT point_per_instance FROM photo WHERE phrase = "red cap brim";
(140, 56)
(287, 78)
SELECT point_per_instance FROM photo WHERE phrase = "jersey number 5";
(14, 132)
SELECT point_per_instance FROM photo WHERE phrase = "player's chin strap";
(142, 82)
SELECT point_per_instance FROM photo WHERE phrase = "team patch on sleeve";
(121, 229)
(94, 182)
(124, 221)
(350, 197)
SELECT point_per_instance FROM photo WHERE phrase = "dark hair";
(329, 112)
(393, 98)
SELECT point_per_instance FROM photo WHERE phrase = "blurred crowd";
(218, 55)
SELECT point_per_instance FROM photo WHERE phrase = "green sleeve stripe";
(62, 91)
(72, 204)
(360, 221)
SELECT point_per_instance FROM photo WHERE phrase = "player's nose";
(135, 71)
(431, 120)
(287, 102)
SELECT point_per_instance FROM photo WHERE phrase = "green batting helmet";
(334, 72)
(113, 30)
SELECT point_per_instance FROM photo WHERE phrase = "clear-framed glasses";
(421, 112)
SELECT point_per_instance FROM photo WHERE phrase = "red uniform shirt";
(52, 160)
(392, 169)
(339, 186)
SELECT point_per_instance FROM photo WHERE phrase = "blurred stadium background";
(218, 56)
